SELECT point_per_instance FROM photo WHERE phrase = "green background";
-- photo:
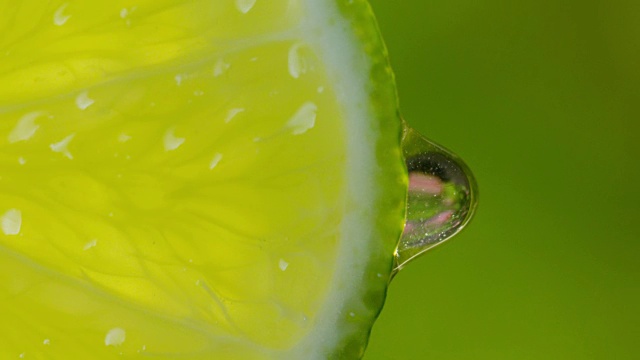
(542, 99)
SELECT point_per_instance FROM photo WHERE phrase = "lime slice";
(213, 179)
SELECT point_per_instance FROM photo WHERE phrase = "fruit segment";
(190, 179)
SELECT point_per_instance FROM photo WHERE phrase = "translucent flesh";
(173, 180)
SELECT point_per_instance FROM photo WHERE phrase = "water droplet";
(171, 141)
(297, 63)
(83, 101)
(215, 161)
(61, 146)
(123, 138)
(59, 17)
(22, 160)
(283, 265)
(46, 342)
(115, 337)
(25, 128)
(11, 222)
(244, 6)
(442, 196)
(304, 119)
(232, 113)
(220, 67)
(92, 243)
(178, 78)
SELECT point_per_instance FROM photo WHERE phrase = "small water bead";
(171, 141)
(215, 161)
(220, 67)
(62, 146)
(83, 101)
(11, 222)
(283, 265)
(25, 128)
(115, 337)
(232, 113)
(244, 6)
(123, 138)
(296, 61)
(178, 78)
(304, 119)
(91, 244)
(59, 17)
(125, 13)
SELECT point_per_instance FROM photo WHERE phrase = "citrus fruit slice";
(211, 179)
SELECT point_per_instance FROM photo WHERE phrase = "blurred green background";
(542, 99)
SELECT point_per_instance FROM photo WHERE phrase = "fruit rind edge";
(377, 225)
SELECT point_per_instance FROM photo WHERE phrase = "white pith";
(348, 68)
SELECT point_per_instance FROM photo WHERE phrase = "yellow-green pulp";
(175, 181)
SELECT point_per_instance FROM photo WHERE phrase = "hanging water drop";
(442, 196)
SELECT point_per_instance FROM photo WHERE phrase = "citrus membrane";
(212, 179)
